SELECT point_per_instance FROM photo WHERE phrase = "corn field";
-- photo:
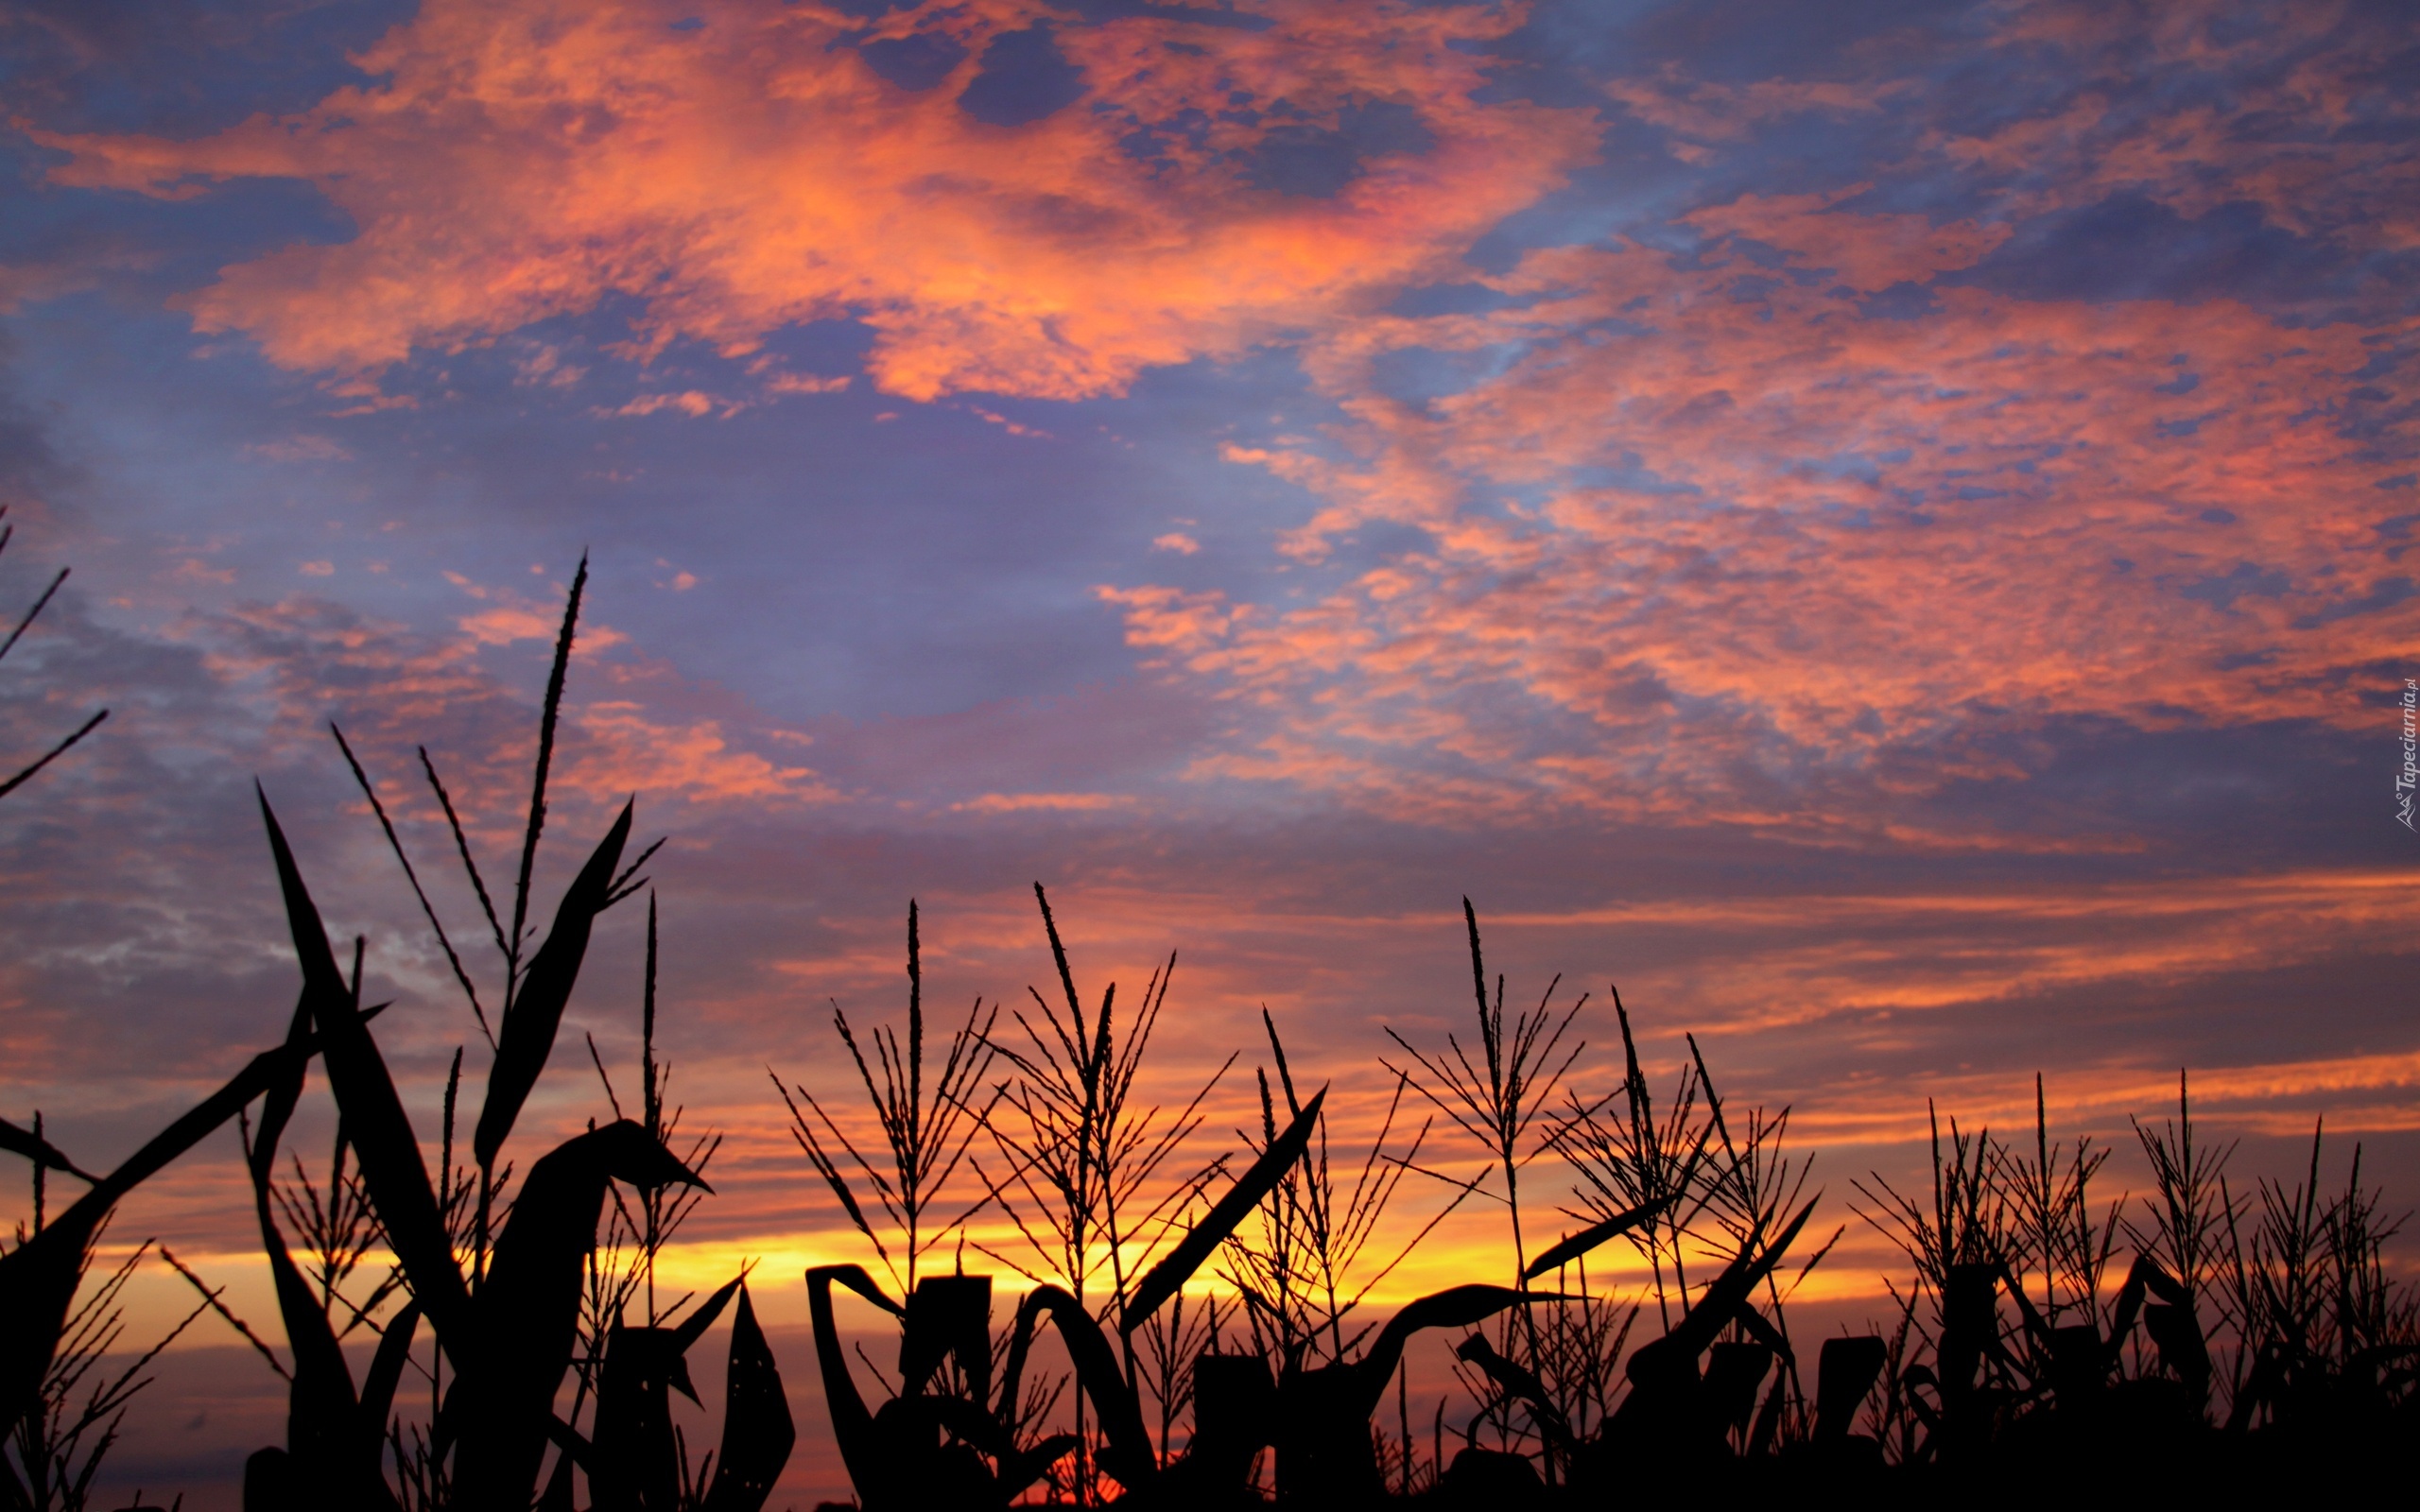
(1211, 1341)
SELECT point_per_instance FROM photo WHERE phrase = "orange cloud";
(2309, 127)
(1722, 541)
(1867, 253)
(631, 752)
(520, 161)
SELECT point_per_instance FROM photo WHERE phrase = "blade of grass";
(530, 1019)
(538, 783)
(53, 754)
(462, 845)
(39, 604)
(395, 843)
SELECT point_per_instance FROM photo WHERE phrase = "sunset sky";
(1878, 530)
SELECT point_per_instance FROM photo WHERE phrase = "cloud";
(689, 403)
(635, 753)
(517, 161)
(792, 383)
(1044, 802)
(2296, 109)
(1715, 532)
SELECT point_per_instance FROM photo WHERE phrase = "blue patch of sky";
(2384, 594)
(184, 67)
(1456, 298)
(1902, 300)
(1023, 78)
(1629, 475)
(152, 248)
(1316, 161)
(2130, 246)
(2222, 592)
(913, 565)
(1418, 375)
(1222, 13)
(919, 61)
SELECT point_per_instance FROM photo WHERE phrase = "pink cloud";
(522, 161)
(1762, 536)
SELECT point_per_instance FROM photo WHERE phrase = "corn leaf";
(1167, 1278)
(375, 1123)
(1574, 1246)
(1126, 1448)
(757, 1434)
(851, 1424)
(527, 1037)
(528, 1311)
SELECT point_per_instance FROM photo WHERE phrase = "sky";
(1877, 531)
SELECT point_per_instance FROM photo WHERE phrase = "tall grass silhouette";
(1212, 1338)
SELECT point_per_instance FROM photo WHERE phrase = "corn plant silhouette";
(514, 1307)
(925, 1132)
(2008, 1364)
(2258, 1336)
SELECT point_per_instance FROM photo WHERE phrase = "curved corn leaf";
(1727, 1397)
(528, 1311)
(757, 1434)
(1172, 1272)
(1520, 1384)
(321, 1413)
(1125, 1448)
(851, 1424)
(2145, 1275)
(279, 1102)
(1023, 1467)
(1454, 1308)
(2178, 1336)
(636, 1455)
(38, 1281)
(386, 1374)
(527, 1037)
(692, 1328)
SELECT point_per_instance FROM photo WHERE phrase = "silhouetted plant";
(2011, 1356)
(56, 1450)
(515, 1309)
(926, 1131)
